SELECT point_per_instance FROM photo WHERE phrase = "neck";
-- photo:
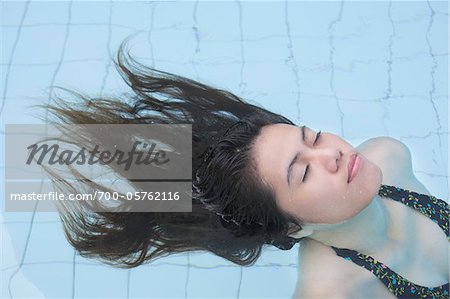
(367, 232)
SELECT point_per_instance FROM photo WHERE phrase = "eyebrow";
(296, 157)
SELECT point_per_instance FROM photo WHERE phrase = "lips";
(351, 163)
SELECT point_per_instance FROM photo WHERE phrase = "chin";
(372, 177)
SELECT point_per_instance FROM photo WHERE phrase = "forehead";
(272, 151)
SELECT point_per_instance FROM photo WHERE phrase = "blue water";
(357, 69)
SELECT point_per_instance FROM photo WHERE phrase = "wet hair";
(234, 212)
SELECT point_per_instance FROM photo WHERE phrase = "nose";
(330, 158)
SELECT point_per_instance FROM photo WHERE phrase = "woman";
(405, 241)
(259, 179)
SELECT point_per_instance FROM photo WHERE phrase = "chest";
(424, 257)
(428, 251)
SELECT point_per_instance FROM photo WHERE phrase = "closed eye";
(317, 137)
(307, 167)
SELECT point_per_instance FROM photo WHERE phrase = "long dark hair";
(234, 212)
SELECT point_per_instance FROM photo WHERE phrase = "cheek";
(336, 200)
(365, 189)
(316, 206)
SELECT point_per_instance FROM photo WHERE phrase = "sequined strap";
(397, 285)
(434, 208)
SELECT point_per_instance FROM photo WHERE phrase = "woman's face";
(324, 194)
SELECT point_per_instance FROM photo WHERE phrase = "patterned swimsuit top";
(432, 207)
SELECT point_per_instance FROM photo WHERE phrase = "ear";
(304, 232)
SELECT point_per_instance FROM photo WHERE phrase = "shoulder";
(392, 156)
(323, 274)
(385, 149)
(394, 159)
